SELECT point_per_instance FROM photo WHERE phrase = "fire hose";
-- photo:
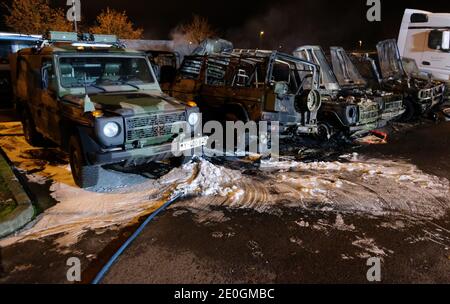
(98, 278)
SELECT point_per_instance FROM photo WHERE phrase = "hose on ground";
(98, 278)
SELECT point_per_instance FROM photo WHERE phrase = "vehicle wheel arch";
(240, 110)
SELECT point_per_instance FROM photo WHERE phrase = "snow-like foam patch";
(121, 202)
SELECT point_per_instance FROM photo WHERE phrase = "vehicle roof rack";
(81, 40)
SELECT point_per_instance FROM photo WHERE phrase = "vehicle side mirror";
(44, 78)
(439, 40)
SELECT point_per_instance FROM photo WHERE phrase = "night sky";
(286, 23)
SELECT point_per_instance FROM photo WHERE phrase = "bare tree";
(35, 17)
(195, 31)
(113, 22)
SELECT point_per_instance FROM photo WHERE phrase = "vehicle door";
(214, 91)
(48, 100)
(247, 86)
(436, 57)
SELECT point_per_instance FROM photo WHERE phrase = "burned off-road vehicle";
(99, 102)
(254, 86)
(352, 83)
(420, 94)
(340, 111)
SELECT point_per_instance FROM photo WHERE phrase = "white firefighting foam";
(371, 186)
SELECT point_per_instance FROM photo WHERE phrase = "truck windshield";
(104, 71)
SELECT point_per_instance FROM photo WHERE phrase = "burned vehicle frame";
(99, 102)
(165, 65)
(252, 85)
(386, 69)
(352, 83)
(340, 110)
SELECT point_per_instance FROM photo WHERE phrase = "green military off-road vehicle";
(99, 102)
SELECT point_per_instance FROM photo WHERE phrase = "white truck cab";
(425, 37)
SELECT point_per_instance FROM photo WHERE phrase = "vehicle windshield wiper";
(93, 85)
(129, 84)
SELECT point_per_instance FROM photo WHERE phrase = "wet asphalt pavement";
(288, 245)
(297, 245)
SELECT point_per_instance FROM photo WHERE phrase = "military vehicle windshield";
(79, 71)
(389, 58)
(346, 72)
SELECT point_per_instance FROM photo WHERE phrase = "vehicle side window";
(215, 71)
(247, 74)
(281, 72)
(191, 67)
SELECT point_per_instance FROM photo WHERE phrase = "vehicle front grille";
(151, 126)
(369, 113)
(393, 105)
(433, 92)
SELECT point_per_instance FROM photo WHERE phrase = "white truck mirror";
(445, 45)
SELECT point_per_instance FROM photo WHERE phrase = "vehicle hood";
(130, 103)
(346, 72)
(390, 61)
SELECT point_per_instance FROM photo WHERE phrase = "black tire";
(410, 112)
(32, 136)
(325, 132)
(84, 175)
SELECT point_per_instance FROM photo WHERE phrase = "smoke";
(289, 25)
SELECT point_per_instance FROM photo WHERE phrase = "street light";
(261, 36)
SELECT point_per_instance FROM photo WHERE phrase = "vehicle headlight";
(111, 129)
(193, 119)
